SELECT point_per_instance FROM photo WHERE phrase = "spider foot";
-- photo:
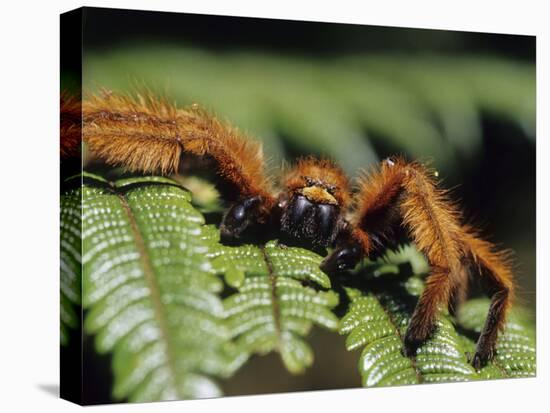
(483, 354)
(411, 346)
(479, 360)
(415, 337)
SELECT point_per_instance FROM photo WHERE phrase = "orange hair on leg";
(496, 269)
(376, 211)
(150, 135)
(433, 223)
(70, 125)
(409, 191)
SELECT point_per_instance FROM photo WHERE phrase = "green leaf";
(276, 303)
(149, 290)
(378, 316)
(70, 269)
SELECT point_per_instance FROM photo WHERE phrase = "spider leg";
(407, 193)
(376, 216)
(433, 223)
(459, 291)
(423, 322)
(495, 268)
(401, 193)
(150, 135)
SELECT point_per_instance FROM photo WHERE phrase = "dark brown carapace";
(312, 206)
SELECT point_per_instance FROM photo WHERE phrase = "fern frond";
(276, 303)
(150, 292)
(70, 259)
(378, 316)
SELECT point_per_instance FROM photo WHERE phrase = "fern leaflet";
(275, 304)
(149, 290)
(70, 269)
(378, 316)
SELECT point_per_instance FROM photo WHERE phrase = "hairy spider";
(312, 204)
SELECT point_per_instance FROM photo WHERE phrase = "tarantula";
(314, 204)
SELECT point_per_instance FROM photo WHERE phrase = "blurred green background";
(463, 101)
